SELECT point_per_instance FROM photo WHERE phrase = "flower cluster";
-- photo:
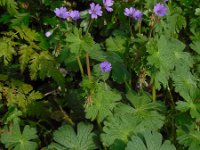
(64, 14)
(133, 13)
(96, 10)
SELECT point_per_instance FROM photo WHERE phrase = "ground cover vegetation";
(100, 74)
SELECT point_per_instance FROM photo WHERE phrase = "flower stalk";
(80, 66)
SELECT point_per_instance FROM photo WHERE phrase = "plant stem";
(87, 56)
(173, 127)
(80, 66)
(65, 116)
(150, 33)
(130, 27)
(140, 26)
(88, 66)
(89, 25)
(171, 98)
(153, 93)
(99, 125)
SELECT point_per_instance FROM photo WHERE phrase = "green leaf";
(25, 53)
(149, 141)
(39, 109)
(117, 44)
(34, 66)
(21, 19)
(17, 140)
(195, 46)
(119, 71)
(78, 42)
(166, 55)
(7, 49)
(103, 101)
(66, 138)
(120, 128)
(190, 104)
(12, 114)
(25, 88)
(11, 6)
(184, 82)
(48, 69)
(27, 34)
(189, 137)
(146, 111)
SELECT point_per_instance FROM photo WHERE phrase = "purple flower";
(95, 11)
(48, 33)
(75, 14)
(160, 9)
(61, 12)
(129, 12)
(137, 15)
(105, 66)
(107, 4)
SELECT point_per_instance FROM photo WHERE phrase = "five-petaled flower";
(129, 12)
(75, 14)
(137, 15)
(61, 12)
(105, 66)
(160, 9)
(95, 11)
(107, 4)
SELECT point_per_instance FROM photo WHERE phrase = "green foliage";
(19, 94)
(191, 104)
(27, 34)
(12, 114)
(17, 140)
(102, 102)
(129, 120)
(66, 138)
(78, 42)
(120, 128)
(21, 19)
(189, 136)
(10, 5)
(117, 43)
(146, 111)
(174, 22)
(25, 53)
(195, 46)
(150, 95)
(7, 49)
(167, 55)
(120, 73)
(149, 141)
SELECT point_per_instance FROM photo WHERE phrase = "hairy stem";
(153, 93)
(88, 66)
(173, 127)
(140, 26)
(99, 125)
(65, 116)
(80, 66)
(130, 27)
(89, 25)
(171, 97)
